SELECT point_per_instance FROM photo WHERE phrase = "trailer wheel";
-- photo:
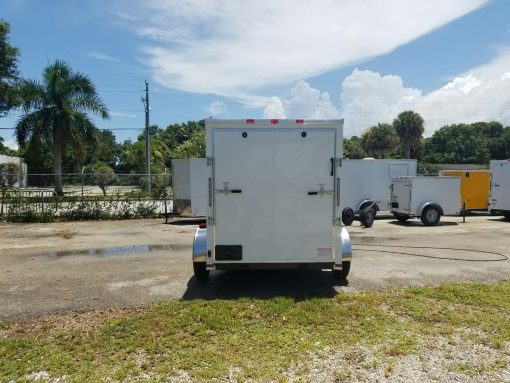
(342, 274)
(200, 271)
(430, 216)
(367, 217)
(347, 216)
(401, 217)
(370, 205)
(506, 215)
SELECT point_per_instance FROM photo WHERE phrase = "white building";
(23, 181)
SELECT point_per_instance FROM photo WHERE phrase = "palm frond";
(32, 94)
(34, 125)
(91, 103)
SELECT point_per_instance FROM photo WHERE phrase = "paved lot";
(50, 268)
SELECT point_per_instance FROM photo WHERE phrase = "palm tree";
(409, 127)
(55, 111)
(379, 139)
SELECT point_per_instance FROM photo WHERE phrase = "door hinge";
(338, 162)
(210, 161)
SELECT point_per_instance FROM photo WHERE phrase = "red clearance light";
(274, 122)
(250, 121)
(203, 226)
(300, 121)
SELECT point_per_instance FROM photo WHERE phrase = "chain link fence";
(87, 196)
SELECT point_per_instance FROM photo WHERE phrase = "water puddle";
(118, 250)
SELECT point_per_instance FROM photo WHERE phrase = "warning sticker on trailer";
(324, 252)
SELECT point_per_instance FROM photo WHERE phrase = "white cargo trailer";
(189, 184)
(500, 188)
(425, 197)
(367, 185)
(273, 197)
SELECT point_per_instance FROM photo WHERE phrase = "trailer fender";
(368, 202)
(200, 245)
(346, 245)
(420, 210)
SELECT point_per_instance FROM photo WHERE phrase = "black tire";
(367, 217)
(342, 274)
(401, 217)
(430, 216)
(370, 205)
(507, 216)
(200, 271)
(347, 216)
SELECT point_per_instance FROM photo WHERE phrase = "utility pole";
(147, 138)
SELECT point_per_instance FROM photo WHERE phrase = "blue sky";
(450, 61)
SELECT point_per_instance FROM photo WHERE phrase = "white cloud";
(101, 56)
(123, 114)
(367, 98)
(305, 102)
(236, 48)
(480, 94)
(216, 108)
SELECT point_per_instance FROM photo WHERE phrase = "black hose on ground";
(502, 257)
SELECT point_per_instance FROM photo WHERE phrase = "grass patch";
(251, 339)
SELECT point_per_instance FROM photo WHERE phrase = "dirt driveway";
(50, 268)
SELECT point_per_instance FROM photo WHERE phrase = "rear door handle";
(320, 192)
(332, 166)
(229, 191)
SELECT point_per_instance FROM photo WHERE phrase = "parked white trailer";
(366, 184)
(274, 197)
(189, 184)
(499, 202)
(425, 197)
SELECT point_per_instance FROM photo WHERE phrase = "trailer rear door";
(500, 185)
(401, 195)
(271, 179)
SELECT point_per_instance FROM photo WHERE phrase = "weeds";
(259, 339)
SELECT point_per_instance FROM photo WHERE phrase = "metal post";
(147, 138)
(82, 170)
(165, 197)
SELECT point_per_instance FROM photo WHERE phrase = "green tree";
(132, 156)
(494, 134)
(102, 175)
(10, 173)
(192, 148)
(176, 134)
(8, 71)
(55, 111)
(5, 150)
(457, 144)
(378, 140)
(353, 148)
(107, 149)
(409, 127)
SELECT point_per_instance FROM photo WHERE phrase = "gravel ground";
(61, 267)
